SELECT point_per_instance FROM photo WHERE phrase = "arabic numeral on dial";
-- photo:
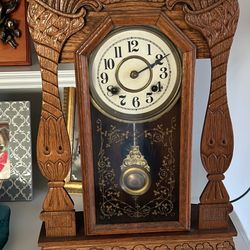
(149, 50)
(109, 63)
(118, 52)
(157, 87)
(164, 73)
(159, 57)
(160, 87)
(136, 102)
(133, 46)
(104, 78)
(122, 100)
(149, 98)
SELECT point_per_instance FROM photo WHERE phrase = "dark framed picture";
(15, 145)
(14, 35)
(74, 179)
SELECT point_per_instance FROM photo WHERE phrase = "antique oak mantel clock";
(140, 80)
(135, 63)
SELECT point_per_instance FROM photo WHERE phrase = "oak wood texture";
(176, 15)
(192, 240)
(100, 30)
(50, 29)
(20, 55)
(59, 27)
(217, 21)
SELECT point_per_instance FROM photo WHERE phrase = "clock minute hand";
(152, 65)
(134, 74)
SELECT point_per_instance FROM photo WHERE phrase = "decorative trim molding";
(32, 79)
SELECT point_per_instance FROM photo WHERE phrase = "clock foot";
(212, 216)
(59, 224)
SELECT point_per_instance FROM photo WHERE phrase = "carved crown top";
(72, 6)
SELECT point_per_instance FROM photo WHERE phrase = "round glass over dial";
(135, 74)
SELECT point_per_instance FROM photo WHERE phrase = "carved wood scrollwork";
(51, 24)
(217, 21)
(190, 245)
(121, 1)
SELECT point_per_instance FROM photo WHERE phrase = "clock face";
(135, 74)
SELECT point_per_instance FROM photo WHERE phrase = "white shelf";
(32, 79)
(29, 77)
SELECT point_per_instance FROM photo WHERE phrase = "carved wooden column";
(217, 21)
(51, 23)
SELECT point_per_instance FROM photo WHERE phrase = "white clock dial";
(135, 74)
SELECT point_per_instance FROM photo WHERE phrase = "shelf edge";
(32, 79)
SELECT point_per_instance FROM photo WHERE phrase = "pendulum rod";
(134, 134)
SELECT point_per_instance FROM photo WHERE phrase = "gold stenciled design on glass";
(159, 134)
(116, 136)
(162, 203)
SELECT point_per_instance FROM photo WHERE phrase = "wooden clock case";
(102, 29)
(58, 28)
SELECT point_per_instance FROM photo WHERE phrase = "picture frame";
(21, 54)
(16, 116)
(73, 182)
(4, 150)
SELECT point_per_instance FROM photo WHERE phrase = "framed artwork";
(74, 179)
(4, 151)
(14, 35)
(15, 148)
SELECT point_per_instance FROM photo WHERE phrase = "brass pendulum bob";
(135, 172)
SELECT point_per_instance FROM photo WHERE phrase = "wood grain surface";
(187, 49)
(58, 28)
(193, 240)
(217, 21)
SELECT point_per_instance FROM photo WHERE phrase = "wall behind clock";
(238, 176)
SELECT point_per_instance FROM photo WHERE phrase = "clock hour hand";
(134, 74)
(158, 61)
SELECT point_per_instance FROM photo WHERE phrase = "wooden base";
(191, 240)
(59, 223)
(214, 215)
